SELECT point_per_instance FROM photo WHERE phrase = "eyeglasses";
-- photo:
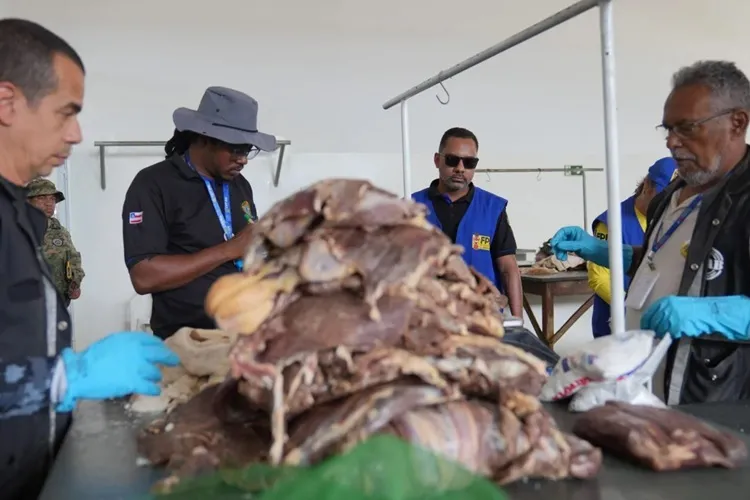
(242, 150)
(686, 130)
(238, 150)
(470, 162)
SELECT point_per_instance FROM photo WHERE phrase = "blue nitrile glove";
(695, 316)
(576, 240)
(115, 366)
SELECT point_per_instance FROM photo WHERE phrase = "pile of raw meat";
(356, 317)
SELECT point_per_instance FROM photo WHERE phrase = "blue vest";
(476, 229)
(632, 234)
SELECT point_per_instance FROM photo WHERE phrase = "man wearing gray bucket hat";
(185, 218)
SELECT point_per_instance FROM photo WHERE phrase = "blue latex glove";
(576, 240)
(115, 366)
(695, 316)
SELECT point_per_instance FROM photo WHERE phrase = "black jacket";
(34, 328)
(711, 368)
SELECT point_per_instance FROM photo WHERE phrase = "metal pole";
(65, 171)
(279, 162)
(103, 145)
(520, 37)
(585, 203)
(405, 149)
(280, 142)
(529, 170)
(614, 217)
(102, 167)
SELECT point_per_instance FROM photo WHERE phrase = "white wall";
(321, 71)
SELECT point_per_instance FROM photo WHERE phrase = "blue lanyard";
(660, 241)
(225, 219)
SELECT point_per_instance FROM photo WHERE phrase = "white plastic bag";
(634, 388)
(615, 367)
(602, 359)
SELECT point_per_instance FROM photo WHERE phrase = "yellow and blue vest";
(632, 234)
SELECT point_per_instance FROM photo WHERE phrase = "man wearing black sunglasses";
(472, 217)
(185, 219)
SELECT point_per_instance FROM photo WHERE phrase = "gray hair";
(728, 84)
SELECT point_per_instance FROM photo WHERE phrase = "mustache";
(678, 156)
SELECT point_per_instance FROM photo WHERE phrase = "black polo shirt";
(168, 211)
(450, 213)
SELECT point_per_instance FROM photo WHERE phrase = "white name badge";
(640, 289)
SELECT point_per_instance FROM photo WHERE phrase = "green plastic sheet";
(382, 468)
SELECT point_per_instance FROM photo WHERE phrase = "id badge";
(640, 290)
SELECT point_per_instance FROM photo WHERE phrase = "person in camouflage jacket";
(59, 252)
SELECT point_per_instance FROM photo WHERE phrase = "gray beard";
(698, 177)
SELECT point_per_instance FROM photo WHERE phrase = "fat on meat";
(660, 438)
(354, 316)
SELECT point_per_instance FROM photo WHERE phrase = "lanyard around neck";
(660, 241)
(225, 219)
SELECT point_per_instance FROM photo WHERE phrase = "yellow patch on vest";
(480, 242)
(684, 249)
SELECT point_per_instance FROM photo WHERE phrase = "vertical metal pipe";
(614, 217)
(405, 148)
(102, 168)
(279, 162)
(585, 202)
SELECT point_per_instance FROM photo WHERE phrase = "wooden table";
(549, 286)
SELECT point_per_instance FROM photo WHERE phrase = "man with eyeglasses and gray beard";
(472, 217)
(691, 276)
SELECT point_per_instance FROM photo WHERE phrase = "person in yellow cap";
(58, 249)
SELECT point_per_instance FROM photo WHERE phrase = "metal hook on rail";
(489, 179)
(447, 94)
(539, 175)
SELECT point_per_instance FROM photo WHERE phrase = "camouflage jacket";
(25, 386)
(62, 257)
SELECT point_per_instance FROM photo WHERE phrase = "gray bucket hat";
(227, 115)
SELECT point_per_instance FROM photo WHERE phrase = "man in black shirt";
(473, 217)
(185, 219)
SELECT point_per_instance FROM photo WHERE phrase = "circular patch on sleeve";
(57, 242)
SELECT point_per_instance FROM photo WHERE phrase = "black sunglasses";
(470, 162)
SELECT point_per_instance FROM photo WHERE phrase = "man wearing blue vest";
(472, 217)
(633, 230)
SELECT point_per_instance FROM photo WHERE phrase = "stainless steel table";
(98, 462)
